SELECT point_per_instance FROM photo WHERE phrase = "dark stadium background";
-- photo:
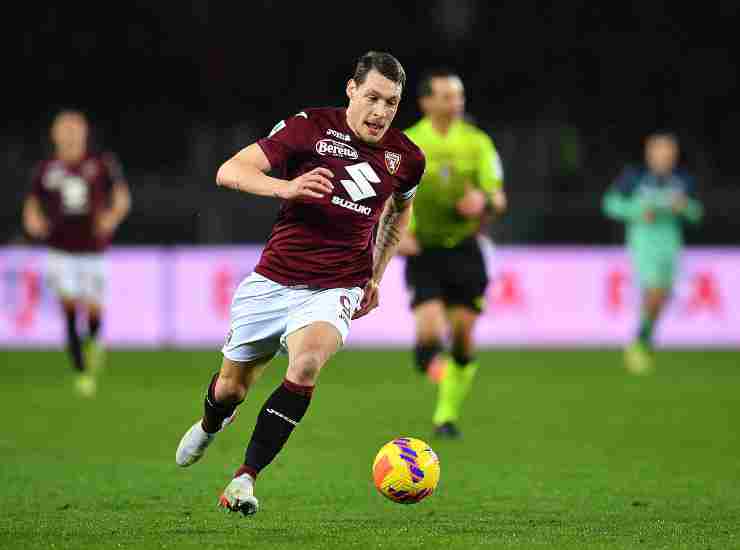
(567, 91)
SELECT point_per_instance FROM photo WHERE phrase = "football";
(406, 470)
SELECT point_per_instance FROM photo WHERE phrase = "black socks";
(424, 355)
(215, 413)
(280, 414)
(74, 346)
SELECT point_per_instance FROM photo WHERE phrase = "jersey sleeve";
(694, 210)
(490, 170)
(619, 201)
(288, 138)
(407, 189)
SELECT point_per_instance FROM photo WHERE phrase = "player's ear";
(351, 88)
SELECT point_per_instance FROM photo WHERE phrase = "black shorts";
(457, 276)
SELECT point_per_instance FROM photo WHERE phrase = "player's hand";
(370, 299)
(38, 228)
(106, 225)
(473, 204)
(499, 201)
(315, 184)
(648, 215)
(679, 204)
(409, 246)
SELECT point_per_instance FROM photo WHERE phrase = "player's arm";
(488, 191)
(246, 172)
(34, 220)
(491, 176)
(393, 222)
(120, 199)
(619, 202)
(687, 205)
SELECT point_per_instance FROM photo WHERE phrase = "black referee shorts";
(457, 276)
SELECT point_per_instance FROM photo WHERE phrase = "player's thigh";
(319, 326)
(424, 275)
(430, 321)
(258, 317)
(320, 338)
(63, 277)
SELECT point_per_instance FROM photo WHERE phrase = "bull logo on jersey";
(335, 148)
(392, 162)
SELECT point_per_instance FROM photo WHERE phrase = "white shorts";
(77, 276)
(264, 313)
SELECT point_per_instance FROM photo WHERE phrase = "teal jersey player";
(653, 203)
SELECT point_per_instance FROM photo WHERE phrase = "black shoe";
(448, 430)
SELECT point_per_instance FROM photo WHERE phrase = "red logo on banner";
(704, 294)
(223, 288)
(616, 290)
(29, 296)
(506, 292)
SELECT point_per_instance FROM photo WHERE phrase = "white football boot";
(195, 442)
(239, 496)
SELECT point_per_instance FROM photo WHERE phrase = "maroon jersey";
(328, 242)
(73, 196)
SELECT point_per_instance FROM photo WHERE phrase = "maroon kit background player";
(77, 200)
(347, 181)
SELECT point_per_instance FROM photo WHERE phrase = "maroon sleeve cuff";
(275, 152)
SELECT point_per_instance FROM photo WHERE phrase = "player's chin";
(373, 138)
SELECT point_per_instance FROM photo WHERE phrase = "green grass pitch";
(561, 449)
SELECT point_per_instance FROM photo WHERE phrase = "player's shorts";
(264, 313)
(457, 276)
(655, 270)
(77, 276)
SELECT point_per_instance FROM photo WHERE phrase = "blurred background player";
(463, 184)
(77, 200)
(652, 202)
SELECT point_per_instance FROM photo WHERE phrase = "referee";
(462, 186)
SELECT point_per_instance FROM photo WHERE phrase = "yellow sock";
(453, 389)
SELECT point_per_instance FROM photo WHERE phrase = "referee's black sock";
(424, 353)
(74, 346)
(280, 414)
(461, 357)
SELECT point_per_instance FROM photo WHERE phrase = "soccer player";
(347, 180)
(445, 270)
(652, 202)
(77, 200)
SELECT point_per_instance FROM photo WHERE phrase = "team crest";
(392, 161)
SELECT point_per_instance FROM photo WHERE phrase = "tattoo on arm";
(390, 229)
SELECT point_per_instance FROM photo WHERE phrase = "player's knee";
(305, 367)
(230, 390)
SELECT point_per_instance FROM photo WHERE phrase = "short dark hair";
(425, 84)
(384, 63)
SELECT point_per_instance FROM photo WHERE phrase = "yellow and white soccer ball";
(406, 470)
